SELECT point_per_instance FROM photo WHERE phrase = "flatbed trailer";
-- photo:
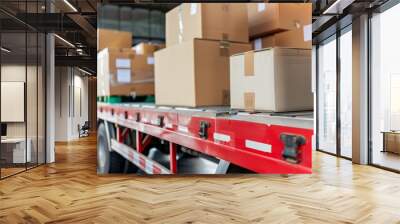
(273, 143)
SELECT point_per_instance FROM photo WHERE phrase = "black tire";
(162, 146)
(107, 161)
(234, 169)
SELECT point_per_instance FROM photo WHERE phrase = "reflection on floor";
(69, 191)
(10, 171)
(387, 159)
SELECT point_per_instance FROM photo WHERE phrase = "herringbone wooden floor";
(69, 191)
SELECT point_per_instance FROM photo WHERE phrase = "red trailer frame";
(247, 140)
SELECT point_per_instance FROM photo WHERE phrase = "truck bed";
(300, 119)
(262, 142)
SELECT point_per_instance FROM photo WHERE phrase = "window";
(22, 77)
(385, 89)
(327, 96)
(335, 74)
(346, 93)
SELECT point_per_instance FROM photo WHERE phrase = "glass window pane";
(327, 97)
(23, 88)
(32, 95)
(14, 153)
(41, 98)
(346, 94)
(385, 95)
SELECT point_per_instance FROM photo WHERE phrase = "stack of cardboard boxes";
(193, 70)
(276, 75)
(123, 70)
(208, 60)
(280, 25)
(107, 38)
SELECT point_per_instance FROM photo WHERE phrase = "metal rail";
(263, 143)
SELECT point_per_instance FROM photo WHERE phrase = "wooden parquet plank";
(69, 191)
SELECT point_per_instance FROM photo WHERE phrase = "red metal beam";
(251, 145)
(139, 145)
(172, 158)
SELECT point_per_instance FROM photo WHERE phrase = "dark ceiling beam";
(345, 11)
(87, 26)
(91, 5)
(84, 24)
(321, 22)
(49, 22)
(165, 7)
(16, 18)
(337, 7)
(77, 61)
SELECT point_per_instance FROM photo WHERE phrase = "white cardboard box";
(271, 79)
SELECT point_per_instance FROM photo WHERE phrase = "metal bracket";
(160, 121)
(291, 151)
(203, 131)
(222, 167)
(137, 117)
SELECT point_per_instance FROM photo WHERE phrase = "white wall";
(61, 103)
(33, 126)
(71, 94)
(12, 73)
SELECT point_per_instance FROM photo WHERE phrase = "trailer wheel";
(107, 161)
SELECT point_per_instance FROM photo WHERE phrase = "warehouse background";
(146, 21)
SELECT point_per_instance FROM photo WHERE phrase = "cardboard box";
(147, 48)
(133, 89)
(195, 73)
(122, 72)
(272, 79)
(113, 39)
(268, 18)
(290, 39)
(222, 21)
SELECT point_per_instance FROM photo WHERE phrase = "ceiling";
(329, 16)
(74, 21)
(164, 7)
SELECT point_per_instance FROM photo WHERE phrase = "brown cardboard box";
(272, 79)
(195, 73)
(113, 39)
(136, 89)
(147, 48)
(216, 21)
(122, 72)
(297, 38)
(268, 18)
